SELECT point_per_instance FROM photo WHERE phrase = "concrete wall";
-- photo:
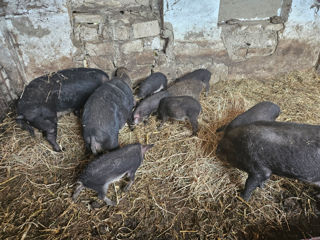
(37, 37)
(191, 20)
(244, 41)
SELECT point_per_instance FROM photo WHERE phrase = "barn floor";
(181, 191)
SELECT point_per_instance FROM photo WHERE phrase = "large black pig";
(111, 167)
(47, 96)
(263, 111)
(106, 111)
(180, 108)
(152, 84)
(263, 148)
(201, 76)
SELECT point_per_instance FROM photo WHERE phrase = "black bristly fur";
(46, 96)
(263, 148)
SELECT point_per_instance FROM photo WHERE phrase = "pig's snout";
(136, 119)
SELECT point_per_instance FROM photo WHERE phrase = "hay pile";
(181, 191)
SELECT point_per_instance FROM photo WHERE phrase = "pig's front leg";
(51, 137)
(252, 183)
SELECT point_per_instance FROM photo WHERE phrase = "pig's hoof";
(57, 149)
(244, 197)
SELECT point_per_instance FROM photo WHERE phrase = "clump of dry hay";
(181, 190)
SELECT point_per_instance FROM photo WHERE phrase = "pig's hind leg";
(25, 126)
(207, 88)
(102, 195)
(131, 176)
(77, 191)
(253, 181)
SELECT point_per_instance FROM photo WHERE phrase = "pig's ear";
(145, 148)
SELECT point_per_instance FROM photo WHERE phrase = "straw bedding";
(181, 191)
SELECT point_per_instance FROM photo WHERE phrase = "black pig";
(147, 106)
(263, 111)
(47, 96)
(199, 75)
(263, 148)
(154, 83)
(106, 111)
(180, 108)
(109, 168)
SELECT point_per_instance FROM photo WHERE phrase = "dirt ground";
(181, 191)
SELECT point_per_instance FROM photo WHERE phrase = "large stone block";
(146, 29)
(139, 72)
(86, 18)
(153, 43)
(99, 49)
(204, 48)
(101, 62)
(143, 58)
(132, 46)
(86, 34)
(146, 57)
(168, 70)
(243, 42)
(121, 33)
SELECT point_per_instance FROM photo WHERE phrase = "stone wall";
(109, 34)
(174, 37)
(38, 37)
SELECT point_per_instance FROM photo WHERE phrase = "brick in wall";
(146, 29)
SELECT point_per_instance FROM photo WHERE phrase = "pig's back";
(287, 149)
(186, 88)
(111, 165)
(77, 85)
